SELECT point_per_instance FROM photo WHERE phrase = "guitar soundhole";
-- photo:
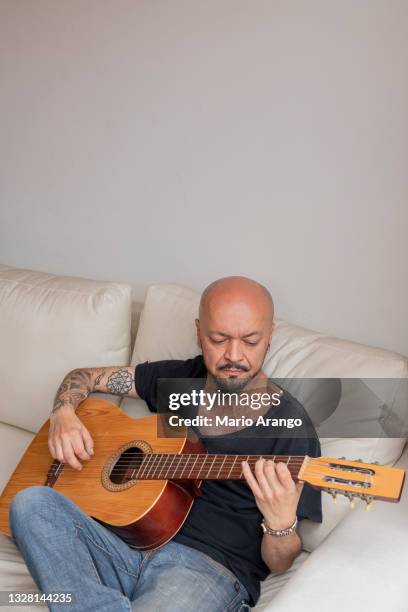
(127, 463)
(118, 472)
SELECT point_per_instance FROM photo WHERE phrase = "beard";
(231, 384)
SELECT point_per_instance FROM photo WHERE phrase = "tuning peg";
(351, 497)
(341, 458)
(334, 496)
(375, 463)
(369, 501)
(360, 460)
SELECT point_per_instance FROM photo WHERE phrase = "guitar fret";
(232, 467)
(184, 467)
(192, 468)
(241, 473)
(222, 464)
(209, 471)
(202, 466)
(145, 462)
(162, 466)
(147, 475)
(157, 468)
(168, 469)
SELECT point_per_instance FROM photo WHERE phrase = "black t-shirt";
(224, 522)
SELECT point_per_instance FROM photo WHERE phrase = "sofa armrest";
(360, 566)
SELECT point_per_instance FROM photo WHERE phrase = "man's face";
(234, 338)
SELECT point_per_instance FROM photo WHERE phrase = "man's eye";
(251, 343)
(217, 341)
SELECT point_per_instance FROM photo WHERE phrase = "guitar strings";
(158, 467)
(190, 462)
(184, 459)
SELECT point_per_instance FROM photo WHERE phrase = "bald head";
(237, 290)
(234, 329)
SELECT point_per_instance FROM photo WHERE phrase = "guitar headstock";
(354, 479)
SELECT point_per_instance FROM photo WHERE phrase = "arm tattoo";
(98, 380)
(78, 384)
(120, 382)
(75, 387)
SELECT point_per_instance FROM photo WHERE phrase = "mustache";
(236, 366)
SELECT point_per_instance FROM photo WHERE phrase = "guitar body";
(147, 513)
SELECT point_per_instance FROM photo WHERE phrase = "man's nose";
(233, 351)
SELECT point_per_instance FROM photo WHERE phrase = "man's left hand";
(276, 493)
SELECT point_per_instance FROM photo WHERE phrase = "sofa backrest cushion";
(166, 325)
(50, 325)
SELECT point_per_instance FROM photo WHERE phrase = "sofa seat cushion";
(273, 584)
(135, 408)
(13, 443)
(14, 574)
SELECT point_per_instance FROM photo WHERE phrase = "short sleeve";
(148, 373)
(144, 381)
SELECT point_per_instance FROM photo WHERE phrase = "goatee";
(232, 384)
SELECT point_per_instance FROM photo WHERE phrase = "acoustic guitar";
(142, 486)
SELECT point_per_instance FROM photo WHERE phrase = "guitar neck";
(156, 466)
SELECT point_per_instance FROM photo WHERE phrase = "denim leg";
(178, 578)
(66, 550)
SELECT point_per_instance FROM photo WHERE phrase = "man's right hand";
(68, 438)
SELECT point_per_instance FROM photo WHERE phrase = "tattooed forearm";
(78, 384)
(75, 387)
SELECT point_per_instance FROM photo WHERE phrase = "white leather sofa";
(354, 560)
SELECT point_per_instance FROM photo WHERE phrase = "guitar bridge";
(53, 473)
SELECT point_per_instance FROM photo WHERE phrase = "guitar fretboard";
(156, 466)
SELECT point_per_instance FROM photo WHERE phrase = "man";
(222, 552)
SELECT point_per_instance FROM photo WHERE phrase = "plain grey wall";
(180, 141)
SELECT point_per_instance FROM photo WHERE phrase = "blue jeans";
(68, 551)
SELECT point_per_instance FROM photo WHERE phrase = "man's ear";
(271, 334)
(197, 324)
